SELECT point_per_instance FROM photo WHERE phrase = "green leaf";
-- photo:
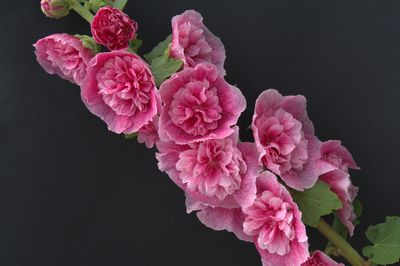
(316, 202)
(131, 136)
(386, 240)
(120, 4)
(135, 44)
(159, 50)
(163, 67)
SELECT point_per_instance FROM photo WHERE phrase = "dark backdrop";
(72, 193)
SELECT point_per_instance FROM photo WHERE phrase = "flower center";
(195, 108)
(212, 167)
(283, 140)
(194, 43)
(125, 85)
(270, 219)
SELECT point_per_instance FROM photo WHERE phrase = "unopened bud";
(55, 8)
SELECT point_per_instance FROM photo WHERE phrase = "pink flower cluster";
(236, 186)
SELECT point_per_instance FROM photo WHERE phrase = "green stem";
(347, 251)
(82, 11)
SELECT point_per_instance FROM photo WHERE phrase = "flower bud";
(55, 8)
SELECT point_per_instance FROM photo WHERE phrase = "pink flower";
(320, 259)
(120, 89)
(148, 134)
(285, 139)
(193, 43)
(64, 55)
(199, 105)
(339, 180)
(217, 172)
(272, 222)
(113, 28)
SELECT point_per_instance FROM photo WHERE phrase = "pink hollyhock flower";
(272, 222)
(113, 28)
(64, 55)
(285, 139)
(339, 180)
(148, 134)
(217, 172)
(199, 105)
(320, 259)
(120, 89)
(193, 43)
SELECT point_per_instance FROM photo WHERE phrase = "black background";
(72, 193)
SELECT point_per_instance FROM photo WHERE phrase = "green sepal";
(135, 44)
(316, 202)
(163, 67)
(358, 209)
(89, 43)
(95, 5)
(159, 50)
(131, 136)
(386, 240)
(120, 4)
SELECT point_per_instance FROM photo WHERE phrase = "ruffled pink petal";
(333, 152)
(64, 55)
(298, 254)
(320, 259)
(198, 105)
(220, 219)
(340, 183)
(247, 193)
(285, 244)
(285, 139)
(120, 89)
(194, 43)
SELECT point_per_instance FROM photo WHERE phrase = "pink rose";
(285, 139)
(193, 43)
(199, 105)
(320, 259)
(64, 55)
(120, 89)
(148, 134)
(339, 180)
(272, 222)
(217, 172)
(113, 28)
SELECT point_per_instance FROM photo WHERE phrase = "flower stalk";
(82, 11)
(346, 250)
